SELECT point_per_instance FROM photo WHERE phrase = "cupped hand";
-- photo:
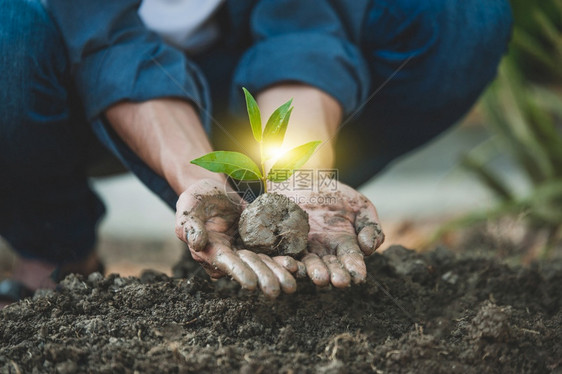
(207, 220)
(344, 227)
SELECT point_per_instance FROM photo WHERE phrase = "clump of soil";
(447, 314)
(274, 225)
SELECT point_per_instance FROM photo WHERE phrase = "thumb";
(196, 235)
(190, 228)
(368, 228)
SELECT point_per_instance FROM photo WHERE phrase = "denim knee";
(438, 52)
(29, 40)
(47, 208)
(34, 100)
(429, 60)
(470, 49)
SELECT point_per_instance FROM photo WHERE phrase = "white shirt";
(186, 24)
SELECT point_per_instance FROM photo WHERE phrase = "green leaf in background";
(277, 125)
(253, 114)
(488, 177)
(291, 161)
(549, 31)
(537, 39)
(546, 201)
(506, 105)
(530, 47)
(234, 164)
(523, 108)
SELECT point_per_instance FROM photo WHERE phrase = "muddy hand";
(207, 220)
(344, 227)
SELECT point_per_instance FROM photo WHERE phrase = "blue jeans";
(440, 54)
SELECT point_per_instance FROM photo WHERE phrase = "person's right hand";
(344, 228)
(207, 220)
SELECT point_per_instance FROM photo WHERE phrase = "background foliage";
(523, 110)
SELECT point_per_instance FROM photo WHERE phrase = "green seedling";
(239, 166)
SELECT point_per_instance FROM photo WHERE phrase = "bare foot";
(37, 274)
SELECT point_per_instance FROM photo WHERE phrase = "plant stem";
(262, 162)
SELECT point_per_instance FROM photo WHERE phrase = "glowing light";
(276, 153)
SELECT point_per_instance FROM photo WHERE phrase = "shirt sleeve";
(114, 57)
(303, 41)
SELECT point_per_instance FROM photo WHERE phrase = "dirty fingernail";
(301, 272)
(357, 277)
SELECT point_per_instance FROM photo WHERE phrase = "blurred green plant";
(537, 38)
(524, 119)
(523, 110)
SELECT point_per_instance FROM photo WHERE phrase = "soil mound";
(274, 225)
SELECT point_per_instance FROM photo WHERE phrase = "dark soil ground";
(455, 314)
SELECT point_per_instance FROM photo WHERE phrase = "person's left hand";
(207, 220)
(344, 227)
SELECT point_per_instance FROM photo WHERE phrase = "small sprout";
(239, 166)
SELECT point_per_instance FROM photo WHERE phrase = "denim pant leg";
(47, 210)
(429, 61)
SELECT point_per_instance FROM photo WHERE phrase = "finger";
(286, 281)
(370, 238)
(287, 262)
(266, 278)
(196, 235)
(210, 270)
(367, 227)
(301, 272)
(316, 270)
(338, 275)
(181, 217)
(184, 207)
(228, 262)
(352, 259)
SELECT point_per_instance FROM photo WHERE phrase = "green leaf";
(277, 126)
(530, 46)
(488, 177)
(253, 114)
(546, 202)
(291, 161)
(234, 164)
(549, 30)
(506, 105)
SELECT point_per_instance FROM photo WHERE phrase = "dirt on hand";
(274, 225)
(447, 314)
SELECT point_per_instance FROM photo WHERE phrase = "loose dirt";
(454, 315)
(274, 225)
